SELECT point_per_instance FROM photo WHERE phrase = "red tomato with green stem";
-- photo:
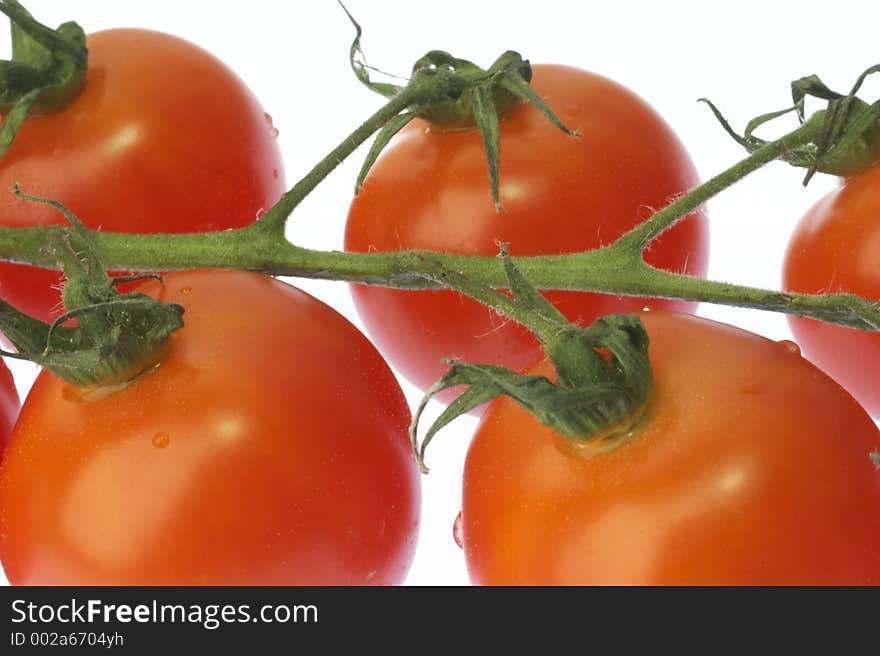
(836, 248)
(162, 138)
(430, 191)
(749, 466)
(268, 447)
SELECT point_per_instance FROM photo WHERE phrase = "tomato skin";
(163, 138)
(836, 248)
(269, 447)
(750, 467)
(9, 405)
(429, 190)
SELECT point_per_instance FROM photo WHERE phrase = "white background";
(742, 55)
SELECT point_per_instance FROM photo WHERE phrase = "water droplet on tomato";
(456, 531)
(272, 129)
(790, 346)
(185, 290)
(161, 440)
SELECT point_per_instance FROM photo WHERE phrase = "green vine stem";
(643, 234)
(276, 216)
(614, 269)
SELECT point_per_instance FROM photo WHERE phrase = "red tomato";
(430, 190)
(163, 138)
(269, 447)
(9, 405)
(750, 466)
(836, 248)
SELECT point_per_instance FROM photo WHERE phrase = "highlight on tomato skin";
(835, 248)
(429, 190)
(269, 447)
(751, 467)
(129, 156)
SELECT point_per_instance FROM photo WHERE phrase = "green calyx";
(116, 337)
(467, 88)
(454, 93)
(849, 141)
(603, 375)
(46, 72)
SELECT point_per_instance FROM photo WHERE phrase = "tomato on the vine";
(162, 138)
(750, 466)
(430, 191)
(269, 446)
(836, 248)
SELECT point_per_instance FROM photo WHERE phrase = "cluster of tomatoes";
(270, 444)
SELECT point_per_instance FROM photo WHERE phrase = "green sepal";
(623, 336)
(758, 121)
(15, 118)
(518, 86)
(37, 44)
(358, 62)
(481, 98)
(116, 336)
(385, 135)
(453, 93)
(603, 374)
(531, 300)
(486, 118)
(47, 71)
(28, 335)
(849, 141)
(572, 412)
(138, 329)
